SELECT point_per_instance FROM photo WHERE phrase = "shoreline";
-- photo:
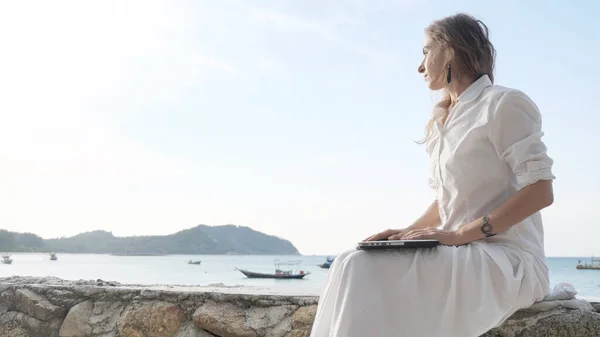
(215, 254)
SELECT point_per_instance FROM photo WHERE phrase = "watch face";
(486, 228)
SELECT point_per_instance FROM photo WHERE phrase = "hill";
(228, 239)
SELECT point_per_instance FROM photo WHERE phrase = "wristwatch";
(486, 226)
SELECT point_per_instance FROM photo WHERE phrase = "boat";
(53, 257)
(593, 265)
(279, 273)
(328, 262)
(6, 259)
(194, 262)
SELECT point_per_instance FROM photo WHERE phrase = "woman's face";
(433, 66)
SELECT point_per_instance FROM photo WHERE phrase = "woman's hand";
(449, 238)
(386, 234)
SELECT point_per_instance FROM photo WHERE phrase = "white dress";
(489, 147)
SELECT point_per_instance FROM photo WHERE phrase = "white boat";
(594, 265)
(279, 273)
(6, 259)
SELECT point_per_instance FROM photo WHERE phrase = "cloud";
(72, 74)
(267, 15)
(331, 30)
(77, 76)
(325, 163)
(268, 64)
(213, 62)
(371, 6)
(80, 51)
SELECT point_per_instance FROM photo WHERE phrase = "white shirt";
(489, 147)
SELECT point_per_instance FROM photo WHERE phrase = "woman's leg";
(445, 291)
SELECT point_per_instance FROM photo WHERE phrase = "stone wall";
(31, 307)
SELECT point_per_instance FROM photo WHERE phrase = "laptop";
(397, 244)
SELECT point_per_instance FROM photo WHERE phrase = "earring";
(449, 74)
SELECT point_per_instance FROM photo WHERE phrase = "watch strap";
(486, 226)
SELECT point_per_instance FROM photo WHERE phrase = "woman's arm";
(521, 205)
(518, 207)
(429, 219)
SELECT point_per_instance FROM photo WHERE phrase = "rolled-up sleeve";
(515, 130)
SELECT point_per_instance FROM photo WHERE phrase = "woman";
(492, 176)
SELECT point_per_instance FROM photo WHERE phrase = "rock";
(102, 283)
(190, 330)
(282, 329)
(37, 310)
(7, 300)
(229, 320)
(32, 280)
(151, 320)
(104, 318)
(36, 306)
(558, 322)
(18, 324)
(270, 321)
(51, 280)
(77, 322)
(302, 321)
(62, 298)
(150, 294)
(223, 319)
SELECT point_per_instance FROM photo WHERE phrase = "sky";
(296, 118)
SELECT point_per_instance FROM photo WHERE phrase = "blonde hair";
(466, 42)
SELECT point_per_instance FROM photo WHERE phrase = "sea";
(221, 270)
